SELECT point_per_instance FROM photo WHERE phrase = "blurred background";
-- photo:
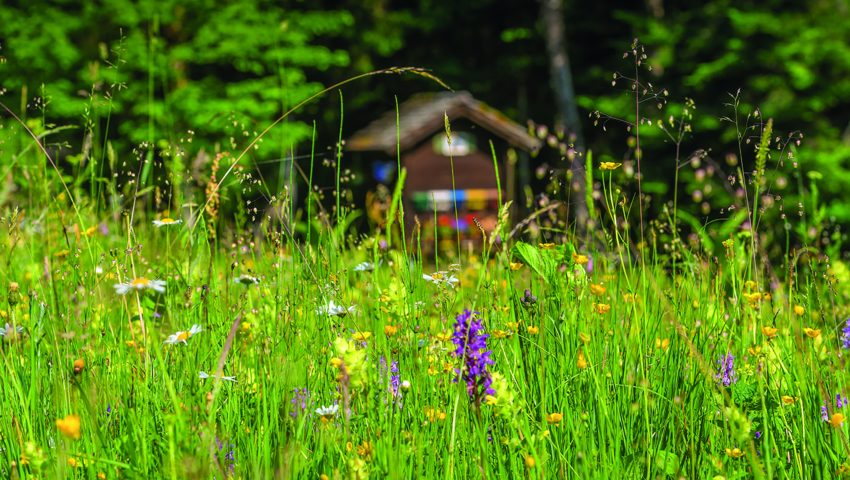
(125, 81)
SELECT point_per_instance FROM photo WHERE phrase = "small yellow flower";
(662, 344)
(695, 304)
(336, 362)
(769, 331)
(79, 365)
(443, 336)
(788, 399)
(799, 310)
(609, 166)
(515, 266)
(584, 337)
(361, 336)
(812, 332)
(597, 289)
(729, 243)
(512, 325)
(546, 246)
(836, 420)
(580, 259)
(734, 452)
(69, 426)
(581, 361)
(755, 351)
(629, 297)
(750, 285)
(433, 414)
(501, 334)
(390, 330)
(529, 461)
(601, 308)
(554, 418)
(532, 330)
(365, 449)
(72, 462)
(753, 298)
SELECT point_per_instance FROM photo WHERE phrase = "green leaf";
(667, 462)
(534, 258)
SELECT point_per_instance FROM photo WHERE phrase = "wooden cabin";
(419, 133)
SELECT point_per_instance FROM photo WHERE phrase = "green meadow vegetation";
(180, 308)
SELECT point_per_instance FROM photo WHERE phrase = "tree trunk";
(552, 16)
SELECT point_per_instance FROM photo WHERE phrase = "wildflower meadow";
(220, 302)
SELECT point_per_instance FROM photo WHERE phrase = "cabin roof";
(422, 116)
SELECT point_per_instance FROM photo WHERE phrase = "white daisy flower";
(327, 412)
(364, 267)
(204, 375)
(245, 279)
(334, 310)
(140, 283)
(166, 222)
(183, 336)
(10, 332)
(441, 278)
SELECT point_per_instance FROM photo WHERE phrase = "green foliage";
(163, 69)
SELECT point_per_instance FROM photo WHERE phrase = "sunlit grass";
(261, 360)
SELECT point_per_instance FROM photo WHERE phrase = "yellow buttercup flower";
(532, 330)
(601, 308)
(788, 399)
(390, 330)
(769, 331)
(443, 336)
(662, 344)
(799, 310)
(69, 426)
(581, 361)
(79, 365)
(836, 420)
(735, 452)
(546, 246)
(753, 298)
(609, 165)
(501, 333)
(515, 266)
(597, 289)
(584, 337)
(580, 259)
(554, 418)
(812, 332)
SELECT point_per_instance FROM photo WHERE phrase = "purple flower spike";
(726, 370)
(845, 335)
(471, 345)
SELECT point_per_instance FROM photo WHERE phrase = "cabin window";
(462, 144)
